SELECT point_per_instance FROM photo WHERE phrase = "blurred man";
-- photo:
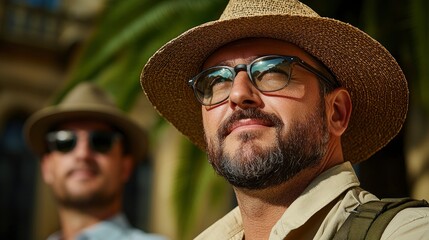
(88, 150)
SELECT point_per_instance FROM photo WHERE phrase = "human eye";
(219, 83)
(217, 80)
(217, 90)
(214, 85)
(273, 78)
(220, 87)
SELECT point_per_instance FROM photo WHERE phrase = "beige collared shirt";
(320, 211)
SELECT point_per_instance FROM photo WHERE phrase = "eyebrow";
(233, 63)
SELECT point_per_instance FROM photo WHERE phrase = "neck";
(74, 221)
(261, 209)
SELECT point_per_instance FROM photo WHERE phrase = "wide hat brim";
(41, 122)
(376, 83)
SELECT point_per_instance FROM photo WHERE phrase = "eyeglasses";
(268, 74)
(65, 140)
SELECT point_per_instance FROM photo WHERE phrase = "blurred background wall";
(48, 46)
(38, 41)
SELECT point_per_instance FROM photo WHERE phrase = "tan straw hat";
(362, 65)
(85, 101)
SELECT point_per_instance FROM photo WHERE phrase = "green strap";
(364, 216)
(343, 232)
(369, 220)
(381, 222)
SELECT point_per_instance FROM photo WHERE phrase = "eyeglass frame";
(330, 81)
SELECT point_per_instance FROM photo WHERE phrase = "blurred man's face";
(85, 177)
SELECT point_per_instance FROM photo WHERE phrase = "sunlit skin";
(296, 97)
(261, 209)
(83, 175)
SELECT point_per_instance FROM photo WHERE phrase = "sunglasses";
(65, 140)
(268, 74)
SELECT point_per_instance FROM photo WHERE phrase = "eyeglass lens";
(269, 73)
(65, 140)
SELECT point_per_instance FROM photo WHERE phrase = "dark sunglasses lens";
(214, 85)
(62, 141)
(102, 141)
(271, 74)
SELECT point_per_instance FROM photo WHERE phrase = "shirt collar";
(109, 227)
(322, 190)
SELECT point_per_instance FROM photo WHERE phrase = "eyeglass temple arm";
(331, 81)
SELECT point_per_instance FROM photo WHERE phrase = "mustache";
(87, 166)
(249, 113)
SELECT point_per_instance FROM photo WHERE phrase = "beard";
(88, 198)
(254, 167)
(94, 200)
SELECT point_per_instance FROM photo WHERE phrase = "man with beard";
(268, 91)
(88, 150)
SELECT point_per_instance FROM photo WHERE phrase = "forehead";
(249, 48)
(84, 125)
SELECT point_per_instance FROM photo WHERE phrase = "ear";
(339, 109)
(127, 167)
(45, 167)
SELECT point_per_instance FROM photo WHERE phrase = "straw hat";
(85, 101)
(376, 83)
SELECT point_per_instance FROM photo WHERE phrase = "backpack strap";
(369, 220)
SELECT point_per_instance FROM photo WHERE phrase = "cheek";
(289, 110)
(305, 99)
(60, 165)
(206, 123)
(55, 171)
(212, 118)
(113, 165)
(110, 165)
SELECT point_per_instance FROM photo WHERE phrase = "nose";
(243, 94)
(83, 149)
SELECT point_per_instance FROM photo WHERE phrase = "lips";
(249, 122)
(83, 172)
